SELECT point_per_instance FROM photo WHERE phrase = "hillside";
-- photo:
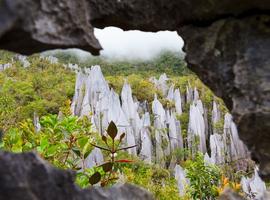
(180, 129)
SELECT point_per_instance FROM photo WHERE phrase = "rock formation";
(230, 56)
(32, 26)
(159, 140)
(227, 43)
(254, 187)
(26, 176)
(181, 179)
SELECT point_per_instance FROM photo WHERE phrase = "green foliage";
(142, 88)
(169, 62)
(65, 56)
(116, 82)
(155, 179)
(183, 81)
(204, 179)
(167, 103)
(41, 88)
(184, 119)
(6, 56)
(218, 127)
(182, 154)
(110, 168)
(45, 89)
(63, 142)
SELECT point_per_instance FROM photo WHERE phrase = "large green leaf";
(44, 143)
(52, 150)
(83, 141)
(76, 151)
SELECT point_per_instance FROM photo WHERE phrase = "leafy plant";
(41, 88)
(63, 142)
(203, 178)
(155, 179)
(218, 127)
(112, 146)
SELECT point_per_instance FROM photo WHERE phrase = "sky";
(121, 44)
(133, 45)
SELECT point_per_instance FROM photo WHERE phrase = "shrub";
(155, 179)
(204, 178)
(42, 88)
(55, 142)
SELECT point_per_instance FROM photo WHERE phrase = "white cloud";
(130, 45)
(121, 44)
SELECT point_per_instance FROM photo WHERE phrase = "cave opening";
(140, 82)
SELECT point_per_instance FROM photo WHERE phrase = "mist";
(119, 44)
(131, 45)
